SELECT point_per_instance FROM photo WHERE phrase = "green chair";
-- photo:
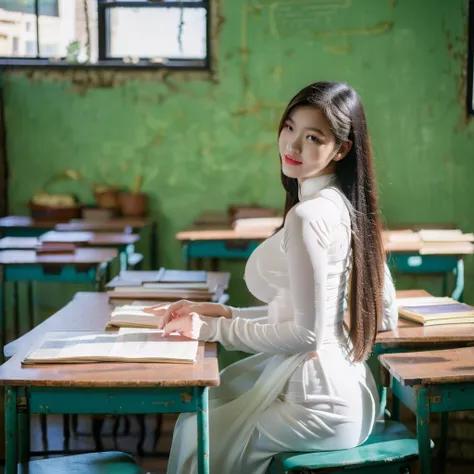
(390, 449)
(94, 463)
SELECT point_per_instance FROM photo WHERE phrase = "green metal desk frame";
(423, 400)
(406, 263)
(37, 272)
(20, 402)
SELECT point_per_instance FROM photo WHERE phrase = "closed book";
(431, 311)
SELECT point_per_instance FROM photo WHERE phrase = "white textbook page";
(127, 345)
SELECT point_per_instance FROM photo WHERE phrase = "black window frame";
(103, 6)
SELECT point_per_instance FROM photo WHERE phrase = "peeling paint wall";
(205, 141)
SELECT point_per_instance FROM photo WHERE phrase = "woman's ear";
(343, 151)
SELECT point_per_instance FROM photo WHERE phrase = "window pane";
(72, 34)
(157, 33)
(17, 39)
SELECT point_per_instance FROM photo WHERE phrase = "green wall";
(204, 144)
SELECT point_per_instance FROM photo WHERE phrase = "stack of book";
(432, 310)
(429, 241)
(168, 285)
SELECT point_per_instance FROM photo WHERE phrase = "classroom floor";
(151, 462)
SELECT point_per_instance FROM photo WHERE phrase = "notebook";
(431, 311)
(132, 315)
(126, 345)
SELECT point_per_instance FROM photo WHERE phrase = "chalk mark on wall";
(284, 18)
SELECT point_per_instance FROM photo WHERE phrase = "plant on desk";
(45, 205)
(134, 202)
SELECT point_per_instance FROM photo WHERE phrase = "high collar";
(312, 186)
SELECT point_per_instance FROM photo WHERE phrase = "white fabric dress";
(300, 391)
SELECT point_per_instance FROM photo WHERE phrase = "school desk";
(410, 336)
(213, 237)
(440, 381)
(127, 225)
(109, 388)
(124, 243)
(24, 226)
(87, 265)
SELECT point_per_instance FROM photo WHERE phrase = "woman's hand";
(184, 308)
(187, 326)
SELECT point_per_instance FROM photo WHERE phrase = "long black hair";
(355, 174)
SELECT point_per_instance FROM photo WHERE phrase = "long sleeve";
(389, 320)
(255, 313)
(307, 239)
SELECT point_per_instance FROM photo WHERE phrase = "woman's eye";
(289, 127)
(312, 138)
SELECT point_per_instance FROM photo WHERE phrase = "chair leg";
(66, 431)
(44, 432)
(74, 422)
(159, 425)
(126, 430)
(142, 434)
(97, 424)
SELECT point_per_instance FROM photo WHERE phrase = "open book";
(431, 310)
(132, 315)
(127, 345)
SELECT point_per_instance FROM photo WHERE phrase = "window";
(103, 33)
(15, 46)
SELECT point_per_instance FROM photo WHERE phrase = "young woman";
(307, 387)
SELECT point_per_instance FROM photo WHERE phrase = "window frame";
(103, 6)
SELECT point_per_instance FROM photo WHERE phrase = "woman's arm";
(307, 238)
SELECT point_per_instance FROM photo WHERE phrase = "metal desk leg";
(11, 431)
(3, 316)
(100, 272)
(458, 292)
(23, 424)
(423, 428)
(16, 310)
(202, 394)
(186, 258)
(31, 304)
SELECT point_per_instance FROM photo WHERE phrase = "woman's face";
(307, 144)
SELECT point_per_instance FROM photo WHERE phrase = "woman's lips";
(291, 161)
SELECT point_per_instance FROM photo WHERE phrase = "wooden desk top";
(18, 243)
(93, 239)
(90, 312)
(82, 256)
(119, 224)
(431, 367)
(409, 332)
(26, 222)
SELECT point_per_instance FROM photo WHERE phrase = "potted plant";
(49, 206)
(134, 203)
